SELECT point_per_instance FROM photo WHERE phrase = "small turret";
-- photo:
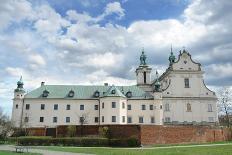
(20, 86)
(157, 83)
(172, 57)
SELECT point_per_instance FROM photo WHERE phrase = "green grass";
(197, 150)
(14, 153)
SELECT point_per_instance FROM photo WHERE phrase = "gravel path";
(44, 152)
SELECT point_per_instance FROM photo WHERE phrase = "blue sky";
(97, 41)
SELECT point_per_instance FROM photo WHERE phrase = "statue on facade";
(143, 58)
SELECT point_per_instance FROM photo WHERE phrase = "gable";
(186, 63)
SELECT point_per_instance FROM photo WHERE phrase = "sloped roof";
(113, 92)
(86, 92)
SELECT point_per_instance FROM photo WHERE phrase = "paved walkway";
(44, 152)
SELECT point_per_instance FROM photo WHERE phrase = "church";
(177, 97)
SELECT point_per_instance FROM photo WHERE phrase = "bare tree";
(225, 104)
(83, 119)
(6, 128)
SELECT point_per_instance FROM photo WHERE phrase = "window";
(67, 119)
(151, 107)
(211, 119)
(166, 106)
(113, 118)
(152, 119)
(68, 107)
(189, 109)
(103, 105)
(167, 120)
(113, 104)
(26, 119)
(103, 119)
(129, 107)
(82, 120)
(140, 119)
(55, 106)
(129, 119)
(186, 83)
(54, 119)
(41, 119)
(210, 108)
(143, 107)
(16, 106)
(123, 119)
(82, 107)
(161, 106)
(95, 107)
(42, 106)
(27, 106)
(96, 119)
(144, 77)
(123, 105)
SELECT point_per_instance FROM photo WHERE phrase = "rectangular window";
(42, 106)
(210, 108)
(95, 107)
(16, 106)
(26, 119)
(113, 118)
(41, 119)
(27, 106)
(152, 119)
(113, 104)
(55, 106)
(123, 119)
(166, 106)
(103, 119)
(82, 120)
(54, 119)
(140, 119)
(123, 105)
(68, 107)
(144, 77)
(186, 83)
(129, 107)
(96, 119)
(143, 107)
(103, 105)
(167, 120)
(211, 119)
(151, 107)
(129, 119)
(82, 107)
(67, 119)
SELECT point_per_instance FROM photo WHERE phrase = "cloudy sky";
(93, 41)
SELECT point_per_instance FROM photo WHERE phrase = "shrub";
(127, 142)
(71, 131)
(104, 132)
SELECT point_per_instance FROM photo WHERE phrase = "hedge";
(77, 141)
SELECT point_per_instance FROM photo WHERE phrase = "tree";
(83, 119)
(6, 128)
(225, 104)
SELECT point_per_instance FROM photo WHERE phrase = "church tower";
(143, 74)
(18, 102)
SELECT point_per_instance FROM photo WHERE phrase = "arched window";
(144, 77)
(189, 108)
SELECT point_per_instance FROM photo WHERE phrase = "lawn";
(187, 150)
(14, 153)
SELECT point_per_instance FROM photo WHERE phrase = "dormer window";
(113, 91)
(96, 94)
(45, 93)
(129, 94)
(71, 93)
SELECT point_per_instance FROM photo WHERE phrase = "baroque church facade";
(179, 96)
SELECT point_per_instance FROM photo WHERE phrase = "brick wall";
(151, 134)
(36, 131)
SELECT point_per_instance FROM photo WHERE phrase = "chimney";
(42, 83)
(105, 84)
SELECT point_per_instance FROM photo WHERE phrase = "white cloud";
(114, 7)
(37, 60)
